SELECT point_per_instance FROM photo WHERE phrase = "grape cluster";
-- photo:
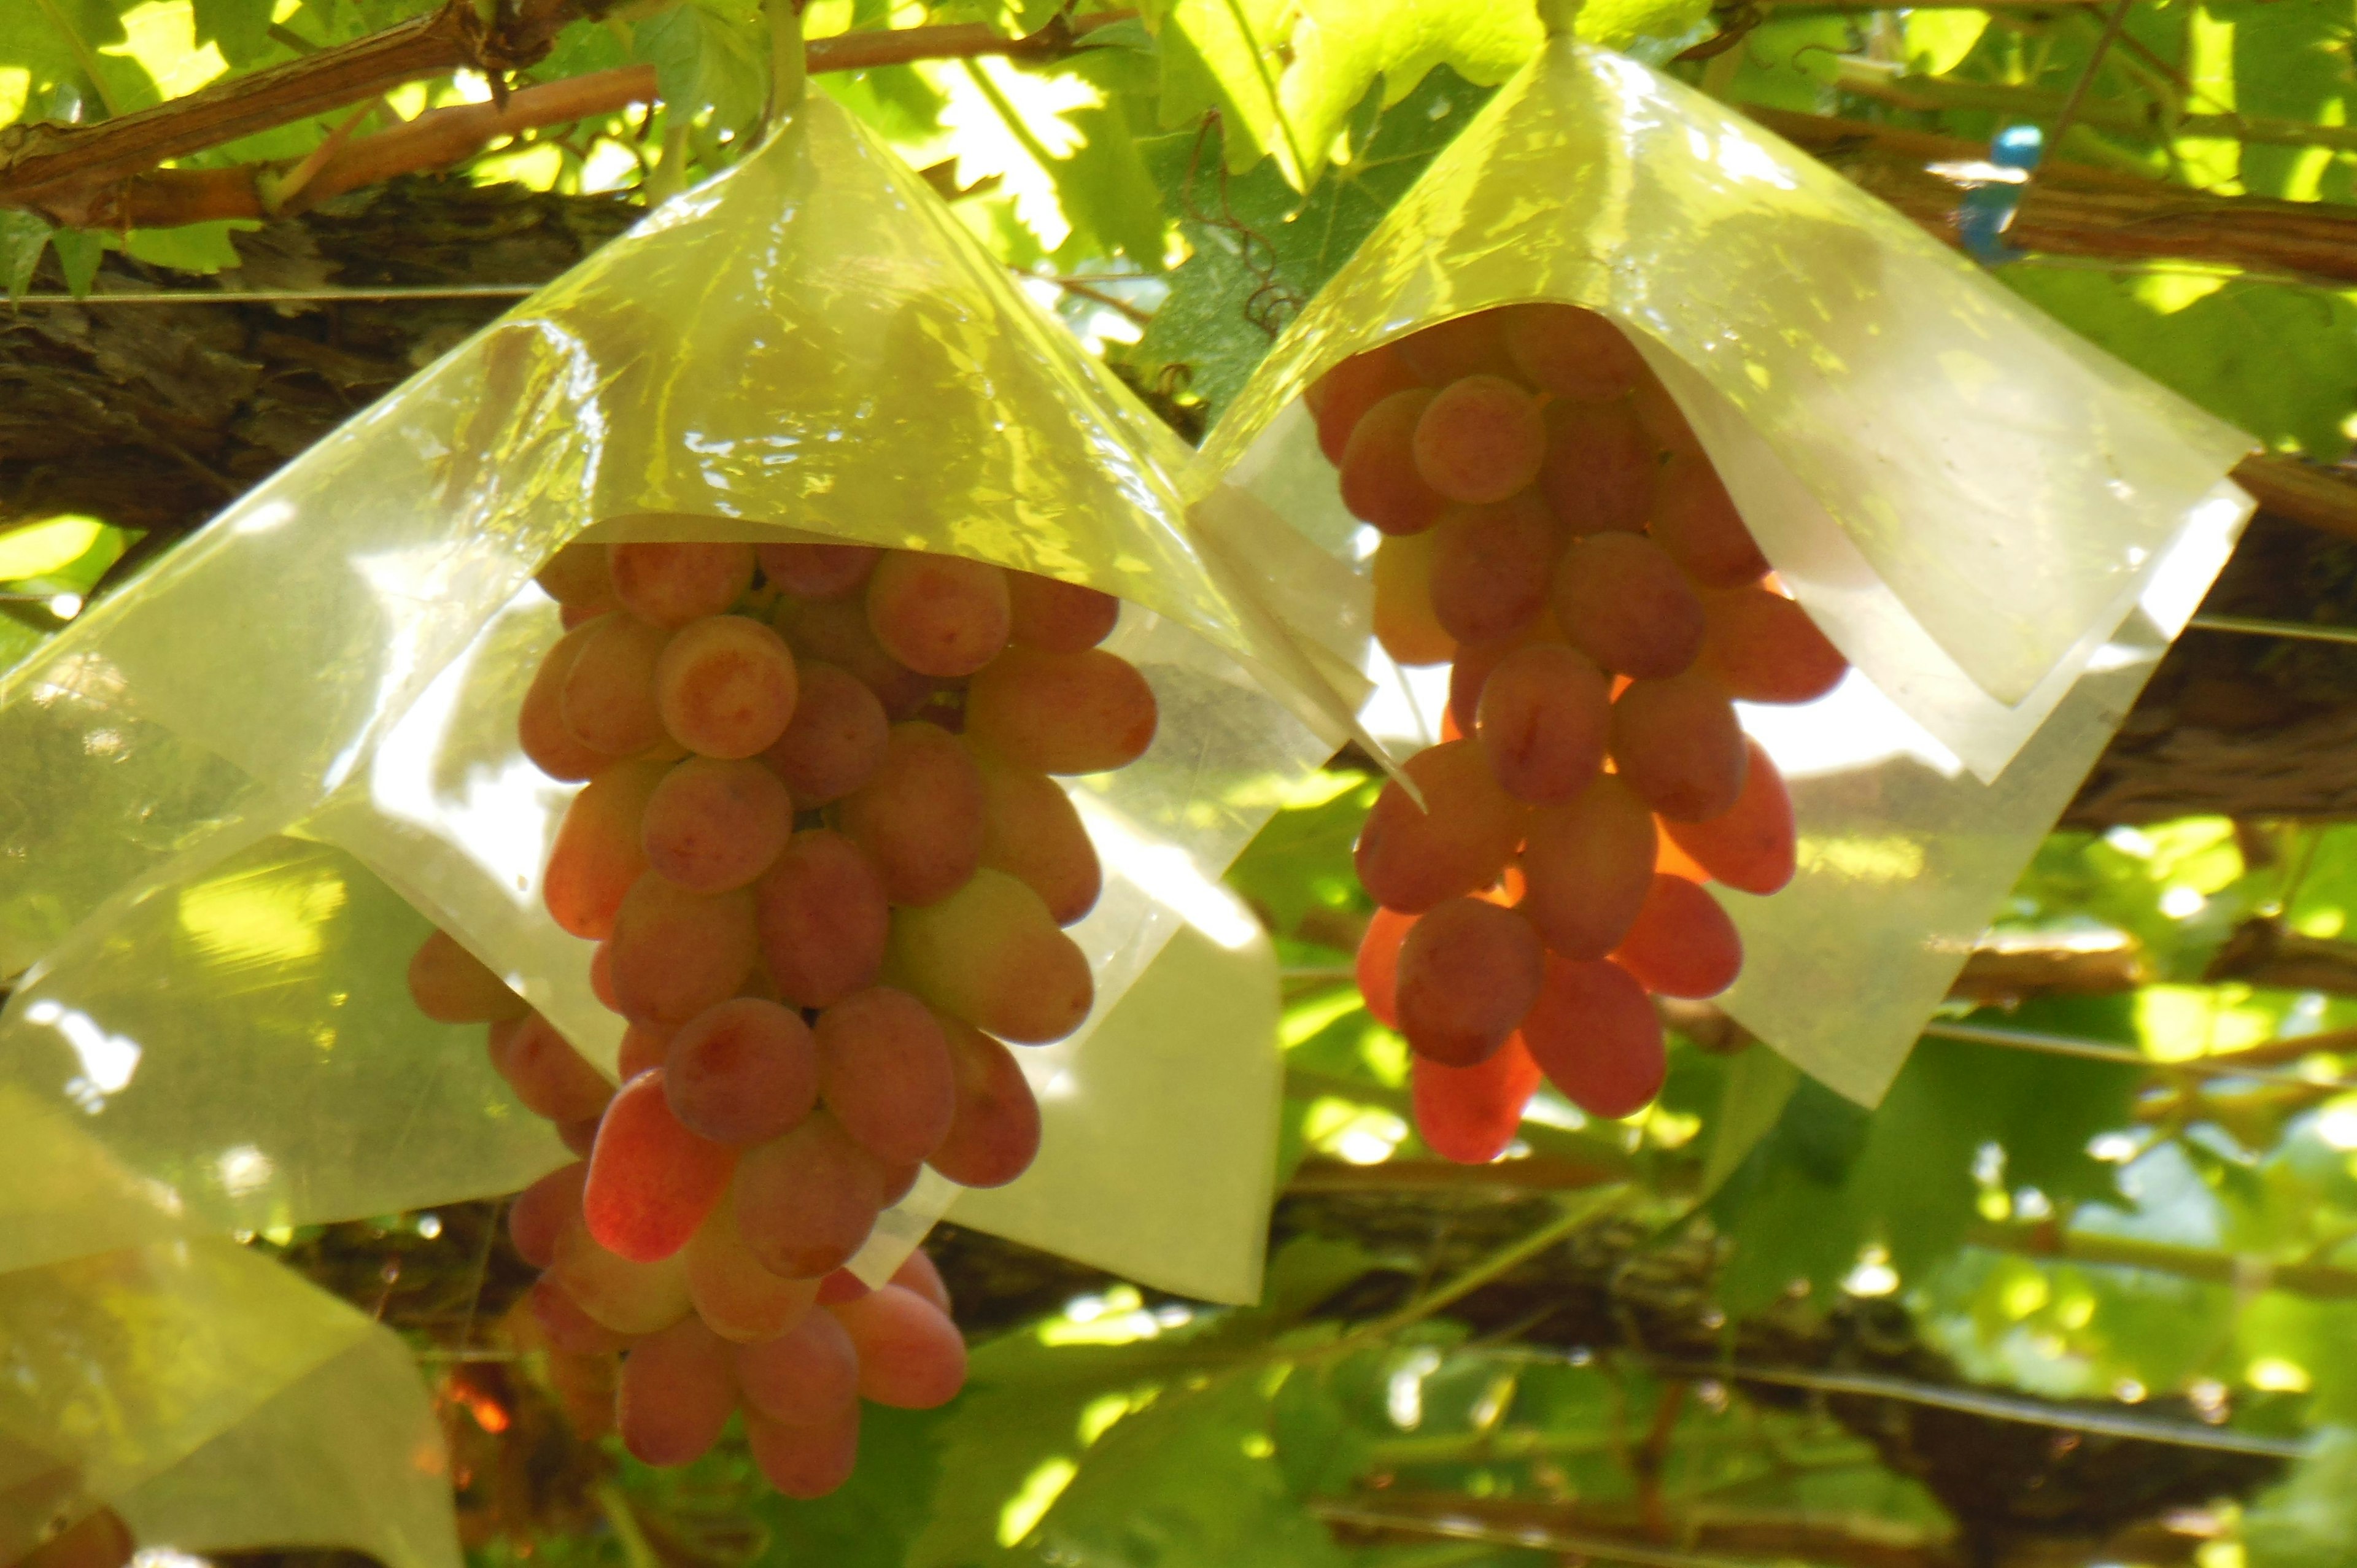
(1555, 533)
(821, 851)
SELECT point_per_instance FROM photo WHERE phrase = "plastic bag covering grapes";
(1970, 497)
(232, 797)
(213, 1398)
(2000, 526)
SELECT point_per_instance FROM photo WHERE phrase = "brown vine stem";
(106, 175)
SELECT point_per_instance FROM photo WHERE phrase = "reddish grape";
(1404, 622)
(1462, 346)
(540, 719)
(817, 570)
(994, 1130)
(451, 985)
(643, 1046)
(939, 615)
(807, 1199)
(919, 818)
(736, 1297)
(742, 1072)
(548, 1075)
(1031, 830)
(608, 697)
(918, 1273)
(1594, 1033)
(725, 686)
(1060, 713)
(1378, 963)
(679, 1388)
(1664, 422)
(803, 1376)
(627, 1298)
(822, 918)
(1678, 743)
(1479, 440)
(1062, 618)
(1750, 846)
(1470, 671)
(1491, 566)
(1543, 715)
(991, 954)
(836, 739)
(1467, 972)
(1380, 484)
(576, 577)
(566, 1326)
(835, 632)
(1599, 468)
(601, 975)
(1411, 859)
(1696, 523)
(652, 1181)
(1622, 602)
(1344, 395)
(676, 952)
(1571, 353)
(671, 584)
(712, 825)
(1683, 944)
(541, 1212)
(805, 1462)
(885, 1072)
(1586, 868)
(578, 1135)
(911, 1357)
(1470, 1113)
(1763, 648)
(599, 854)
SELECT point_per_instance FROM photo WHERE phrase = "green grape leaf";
(240, 28)
(191, 248)
(711, 55)
(1651, 30)
(79, 253)
(1301, 860)
(1219, 56)
(2276, 359)
(873, 1518)
(1342, 48)
(24, 236)
(2310, 1520)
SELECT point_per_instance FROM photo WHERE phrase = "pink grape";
(994, 1131)
(652, 1181)
(541, 732)
(1376, 965)
(1543, 715)
(679, 1388)
(1683, 944)
(911, 1357)
(1411, 859)
(1696, 523)
(1448, 351)
(1344, 395)
(599, 854)
(1060, 616)
(566, 1326)
(626, 1296)
(548, 1075)
(736, 1297)
(1060, 713)
(1678, 743)
(817, 570)
(725, 686)
(608, 697)
(541, 1211)
(920, 817)
(1480, 439)
(807, 1199)
(1570, 352)
(885, 1072)
(805, 1462)
(1594, 1033)
(743, 1071)
(822, 918)
(1763, 648)
(1406, 622)
(939, 615)
(1379, 479)
(1031, 830)
(1467, 972)
(712, 825)
(1750, 846)
(451, 985)
(1491, 566)
(1623, 602)
(676, 952)
(1587, 867)
(1469, 1114)
(835, 740)
(836, 631)
(804, 1376)
(991, 954)
(576, 577)
(1600, 469)
(671, 585)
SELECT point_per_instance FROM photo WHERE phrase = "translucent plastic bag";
(1998, 525)
(234, 797)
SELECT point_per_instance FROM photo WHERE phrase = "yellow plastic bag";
(1999, 525)
(234, 797)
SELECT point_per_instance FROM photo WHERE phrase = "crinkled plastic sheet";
(1999, 525)
(236, 796)
(213, 1398)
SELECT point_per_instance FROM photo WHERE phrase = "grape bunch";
(821, 849)
(1553, 532)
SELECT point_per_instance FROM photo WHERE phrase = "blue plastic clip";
(1989, 203)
